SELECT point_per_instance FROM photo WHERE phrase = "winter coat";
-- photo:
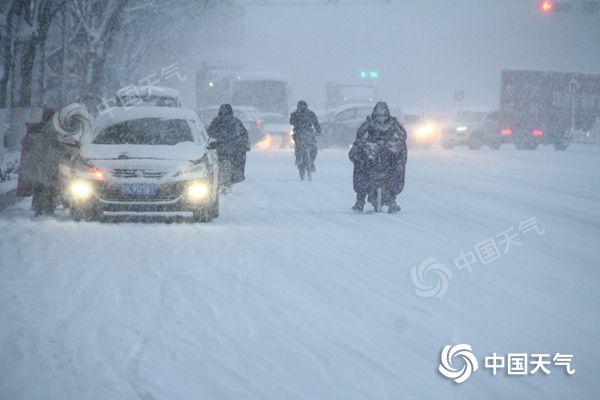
(232, 145)
(46, 153)
(26, 164)
(369, 133)
(306, 126)
(230, 134)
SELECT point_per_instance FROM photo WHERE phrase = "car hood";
(180, 152)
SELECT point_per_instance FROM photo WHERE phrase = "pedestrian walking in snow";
(306, 128)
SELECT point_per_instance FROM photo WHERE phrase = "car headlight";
(81, 190)
(425, 131)
(198, 191)
(199, 168)
(461, 129)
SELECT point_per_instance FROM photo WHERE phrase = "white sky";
(424, 50)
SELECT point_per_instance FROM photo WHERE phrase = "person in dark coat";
(32, 154)
(379, 126)
(232, 144)
(306, 128)
(42, 165)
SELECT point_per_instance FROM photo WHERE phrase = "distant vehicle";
(589, 137)
(248, 115)
(472, 128)
(340, 123)
(421, 131)
(276, 129)
(262, 88)
(339, 94)
(157, 96)
(543, 107)
(142, 161)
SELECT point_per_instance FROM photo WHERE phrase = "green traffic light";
(363, 74)
(374, 74)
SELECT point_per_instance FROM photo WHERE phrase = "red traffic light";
(547, 6)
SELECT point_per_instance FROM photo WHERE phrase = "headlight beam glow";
(81, 190)
(198, 191)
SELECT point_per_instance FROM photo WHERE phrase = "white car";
(134, 96)
(276, 129)
(339, 124)
(144, 161)
(421, 132)
(473, 128)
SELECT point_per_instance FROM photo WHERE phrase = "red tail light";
(506, 132)
(259, 122)
(538, 132)
(547, 6)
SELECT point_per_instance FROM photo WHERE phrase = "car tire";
(560, 146)
(532, 145)
(475, 142)
(214, 209)
(448, 144)
(494, 145)
(203, 215)
(78, 214)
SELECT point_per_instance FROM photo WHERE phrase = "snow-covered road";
(289, 295)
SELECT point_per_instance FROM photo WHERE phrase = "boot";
(392, 206)
(359, 206)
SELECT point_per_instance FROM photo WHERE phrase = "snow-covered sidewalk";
(289, 295)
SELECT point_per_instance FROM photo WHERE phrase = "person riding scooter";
(380, 143)
(232, 144)
(306, 128)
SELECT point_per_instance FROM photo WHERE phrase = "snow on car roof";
(120, 114)
(156, 91)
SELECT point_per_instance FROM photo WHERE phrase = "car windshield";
(150, 131)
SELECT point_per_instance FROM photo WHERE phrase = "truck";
(263, 88)
(536, 108)
(546, 107)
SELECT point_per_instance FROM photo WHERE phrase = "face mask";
(380, 118)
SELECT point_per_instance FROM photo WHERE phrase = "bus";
(263, 88)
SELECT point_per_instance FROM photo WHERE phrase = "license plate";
(138, 189)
